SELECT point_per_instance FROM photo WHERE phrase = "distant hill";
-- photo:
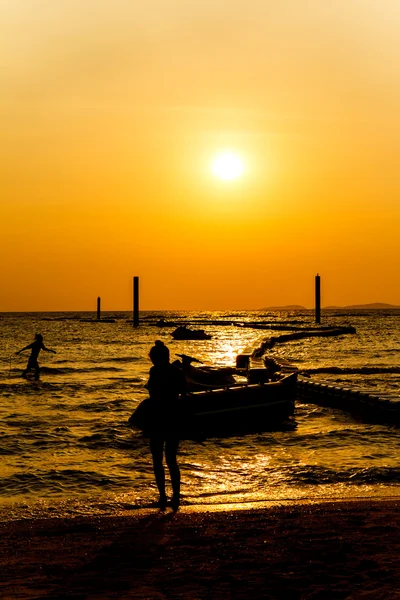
(287, 307)
(372, 306)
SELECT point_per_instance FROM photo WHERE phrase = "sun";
(227, 166)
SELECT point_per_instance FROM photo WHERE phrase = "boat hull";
(254, 407)
(237, 409)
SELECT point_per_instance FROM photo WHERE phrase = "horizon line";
(288, 308)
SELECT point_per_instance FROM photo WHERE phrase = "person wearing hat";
(36, 346)
(166, 386)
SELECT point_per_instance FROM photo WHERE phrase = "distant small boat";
(164, 323)
(185, 333)
(225, 411)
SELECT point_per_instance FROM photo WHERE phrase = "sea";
(67, 449)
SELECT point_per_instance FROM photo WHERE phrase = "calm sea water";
(66, 447)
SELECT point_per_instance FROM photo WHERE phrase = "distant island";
(373, 306)
(287, 307)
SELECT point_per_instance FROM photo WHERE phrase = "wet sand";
(328, 550)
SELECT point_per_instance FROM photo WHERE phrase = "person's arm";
(48, 349)
(182, 384)
(26, 348)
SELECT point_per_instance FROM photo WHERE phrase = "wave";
(30, 438)
(351, 370)
(10, 445)
(362, 313)
(127, 359)
(59, 394)
(70, 370)
(65, 482)
(345, 438)
(315, 475)
(112, 438)
(49, 483)
(105, 404)
(16, 372)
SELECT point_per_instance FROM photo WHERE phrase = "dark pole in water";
(98, 308)
(135, 301)
(317, 299)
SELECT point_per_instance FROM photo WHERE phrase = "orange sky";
(111, 113)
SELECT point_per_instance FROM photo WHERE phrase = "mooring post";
(317, 299)
(98, 308)
(135, 301)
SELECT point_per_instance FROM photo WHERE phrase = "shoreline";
(124, 506)
(306, 549)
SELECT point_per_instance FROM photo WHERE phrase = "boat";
(225, 411)
(244, 408)
(164, 323)
(183, 332)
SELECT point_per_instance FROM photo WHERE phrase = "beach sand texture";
(332, 550)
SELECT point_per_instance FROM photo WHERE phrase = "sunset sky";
(113, 111)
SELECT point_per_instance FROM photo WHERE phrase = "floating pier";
(366, 403)
(369, 404)
(297, 335)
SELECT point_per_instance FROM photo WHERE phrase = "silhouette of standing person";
(35, 348)
(166, 386)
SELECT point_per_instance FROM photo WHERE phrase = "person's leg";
(171, 449)
(157, 449)
(27, 369)
(37, 370)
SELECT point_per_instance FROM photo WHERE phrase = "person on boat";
(166, 387)
(36, 346)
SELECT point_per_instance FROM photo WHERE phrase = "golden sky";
(112, 111)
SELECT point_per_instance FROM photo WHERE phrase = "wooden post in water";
(135, 301)
(98, 308)
(317, 299)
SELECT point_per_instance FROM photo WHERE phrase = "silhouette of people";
(166, 387)
(35, 348)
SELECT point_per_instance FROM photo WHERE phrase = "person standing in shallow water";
(35, 348)
(166, 387)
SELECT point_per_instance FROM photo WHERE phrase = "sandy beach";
(326, 550)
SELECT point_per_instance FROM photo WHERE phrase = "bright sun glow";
(227, 166)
